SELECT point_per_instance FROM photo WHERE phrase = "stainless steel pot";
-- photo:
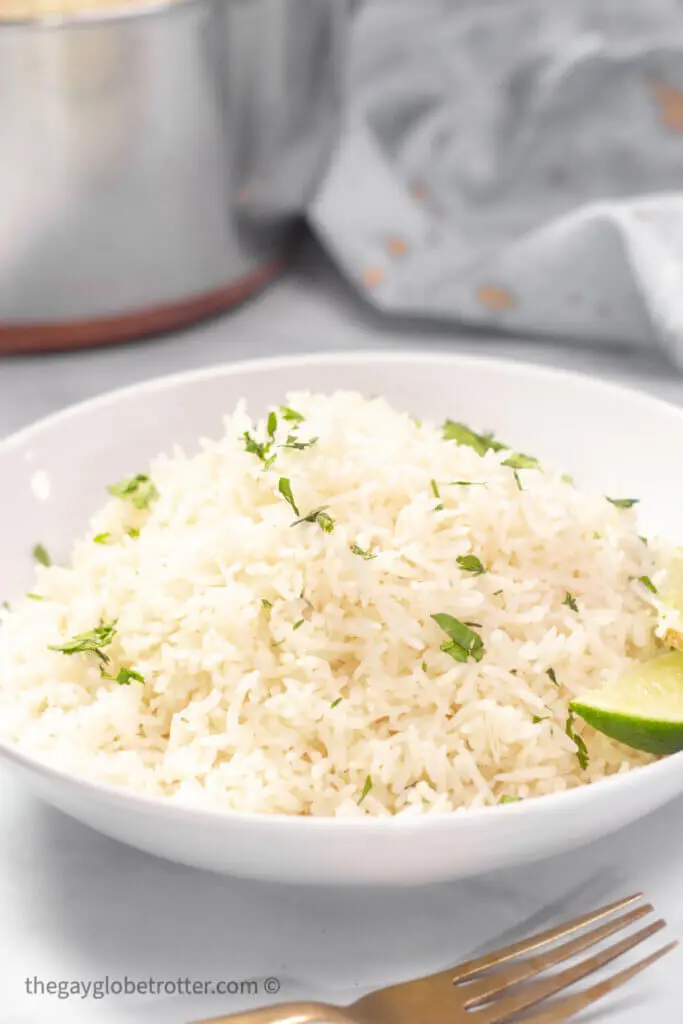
(154, 161)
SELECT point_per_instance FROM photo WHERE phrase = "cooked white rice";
(340, 687)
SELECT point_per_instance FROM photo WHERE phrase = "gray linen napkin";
(515, 163)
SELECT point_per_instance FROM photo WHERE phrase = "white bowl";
(53, 476)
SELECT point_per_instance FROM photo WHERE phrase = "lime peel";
(643, 709)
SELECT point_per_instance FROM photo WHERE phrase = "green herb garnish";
(466, 483)
(139, 490)
(424, 666)
(482, 443)
(367, 555)
(537, 718)
(334, 703)
(271, 425)
(644, 540)
(470, 563)
(550, 672)
(101, 538)
(518, 460)
(319, 516)
(624, 502)
(567, 479)
(133, 533)
(570, 601)
(509, 800)
(517, 480)
(463, 643)
(291, 415)
(435, 488)
(298, 446)
(581, 748)
(41, 555)
(298, 625)
(35, 597)
(366, 789)
(91, 642)
(285, 489)
(266, 603)
(497, 593)
(260, 449)
(124, 676)
(647, 582)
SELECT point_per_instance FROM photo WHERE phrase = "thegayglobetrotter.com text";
(108, 987)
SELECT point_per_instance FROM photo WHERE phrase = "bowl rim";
(92, 17)
(570, 799)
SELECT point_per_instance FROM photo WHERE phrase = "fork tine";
(503, 1009)
(480, 991)
(563, 1009)
(467, 970)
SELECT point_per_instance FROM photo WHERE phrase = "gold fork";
(472, 993)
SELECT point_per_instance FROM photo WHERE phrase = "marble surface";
(75, 906)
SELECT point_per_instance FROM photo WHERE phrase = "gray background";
(74, 904)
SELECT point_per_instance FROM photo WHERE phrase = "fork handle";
(285, 1013)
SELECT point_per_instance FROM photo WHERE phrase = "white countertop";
(75, 906)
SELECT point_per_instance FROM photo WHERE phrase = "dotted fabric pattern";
(517, 165)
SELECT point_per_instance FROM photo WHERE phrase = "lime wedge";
(643, 709)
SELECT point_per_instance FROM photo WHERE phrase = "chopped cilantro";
(285, 489)
(298, 446)
(581, 748)
(647, 582)
(520, 461)
(509, 800)
(134, 533)
(266, 603)
(298, 625)
(567, 479)
(435, 488)
(124, 676)
(550, 672)
(517, 480)
(424, 666)
(139, 490)
(497, 593)
(260, 449)
(319, 516)
(470, 563)
(537, 718)
(463, 643)
(91, 642)
(570, 601)
(41, 555)
(366, 789)
(337, 700)
(624, 502)
(361, 553)
(271, 425)
(467, 483)
(482, 443)
(101, 538)
(35, 597)
(291, 415)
